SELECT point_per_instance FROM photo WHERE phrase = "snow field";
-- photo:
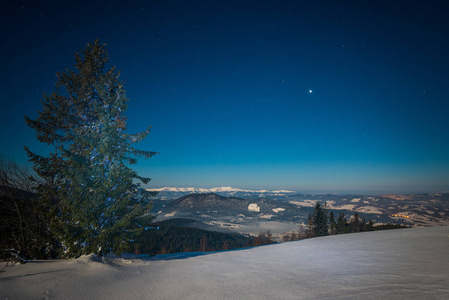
(392, 264)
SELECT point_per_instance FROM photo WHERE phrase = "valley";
(250, 212)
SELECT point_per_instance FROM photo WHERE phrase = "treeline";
(24, 226)
(322, 222)
(171, 237)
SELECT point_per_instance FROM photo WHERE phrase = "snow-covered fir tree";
(94, 197)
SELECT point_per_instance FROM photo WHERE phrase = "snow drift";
(394, 264)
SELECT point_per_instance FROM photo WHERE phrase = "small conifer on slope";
(94, 198)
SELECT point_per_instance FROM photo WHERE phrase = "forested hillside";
(172, 236)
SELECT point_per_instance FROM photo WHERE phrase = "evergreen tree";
(332, 224)
(310, 227)
(369, 226)
(363, 224)
(342, 224)
(203, 244)
(355, 224)
(319, 220)
(95, 200)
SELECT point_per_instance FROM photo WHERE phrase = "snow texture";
(254, 207)
(393, 264)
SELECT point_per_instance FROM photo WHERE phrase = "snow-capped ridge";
(224, 189)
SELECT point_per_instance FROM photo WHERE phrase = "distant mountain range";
(177, 192)
(251, 211)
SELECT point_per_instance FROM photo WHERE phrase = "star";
(310, 91)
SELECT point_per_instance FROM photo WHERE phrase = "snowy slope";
(395, 264)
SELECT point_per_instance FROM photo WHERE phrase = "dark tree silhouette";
(320, 227)
(332, 224)
(24, 232)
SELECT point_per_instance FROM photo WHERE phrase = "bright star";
(310, 91)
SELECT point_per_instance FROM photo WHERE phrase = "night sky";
(313, 96)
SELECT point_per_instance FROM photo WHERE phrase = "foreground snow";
(394, 264)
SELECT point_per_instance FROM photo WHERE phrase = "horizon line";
(306, 191)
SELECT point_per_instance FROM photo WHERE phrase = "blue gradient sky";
(225, 85)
